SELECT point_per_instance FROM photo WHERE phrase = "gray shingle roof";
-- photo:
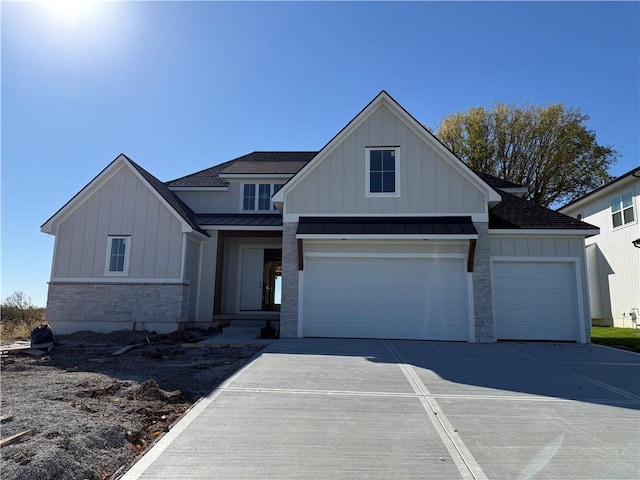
(269, 162)
(512, 213)
(259, 163)
(204, 178)
(172, 199)
(516, 213)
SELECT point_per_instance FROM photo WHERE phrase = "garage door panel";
(412, 298)
(535, 300)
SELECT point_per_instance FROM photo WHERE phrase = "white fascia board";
(412, 123)
(545, 233)
(339, 236)
(255, 175)
(475, 217)
(518, 192)
(86, 191)
(603, 191)
(199, 189)
(328, 148)
(241, 227)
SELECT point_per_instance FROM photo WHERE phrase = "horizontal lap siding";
(427, 183)
(517, 246)
(122, 206)
(311, 247)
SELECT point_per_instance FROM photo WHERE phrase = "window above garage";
(382, 165)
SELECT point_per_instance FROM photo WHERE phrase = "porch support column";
(482, 291)
(289, 306)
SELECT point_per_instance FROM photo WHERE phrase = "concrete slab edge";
(144, 462)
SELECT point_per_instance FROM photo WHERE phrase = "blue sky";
(182, 86)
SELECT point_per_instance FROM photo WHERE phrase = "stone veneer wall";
(482, 293)
(289, 306)
(107, 307)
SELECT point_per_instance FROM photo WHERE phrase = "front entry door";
(251, 282)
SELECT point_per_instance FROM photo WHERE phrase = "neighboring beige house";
(383, 233)
(613, 256)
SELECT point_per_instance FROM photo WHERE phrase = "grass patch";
(626, 338)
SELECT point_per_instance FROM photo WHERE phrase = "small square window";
(118, 255)
(622, 212)
(382, 171)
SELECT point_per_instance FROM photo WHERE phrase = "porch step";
(248, 323)
(246, 332)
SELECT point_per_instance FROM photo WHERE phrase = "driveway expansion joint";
(467, 465)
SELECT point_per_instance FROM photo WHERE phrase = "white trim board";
(340, 236)
(215, 228)
(443, 256)
(120, 280)
(543, 233)
(383, 98)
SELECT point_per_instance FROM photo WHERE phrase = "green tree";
(548, 150)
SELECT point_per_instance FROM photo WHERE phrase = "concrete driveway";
(347, 409)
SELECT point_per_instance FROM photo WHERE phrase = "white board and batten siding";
(614, 266)
(192, 274)
(539, 290)
(375, 290)
(428, 183)
(123, 205)
(212, 202)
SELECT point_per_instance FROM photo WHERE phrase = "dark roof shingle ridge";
(172, 199)
(514, 212)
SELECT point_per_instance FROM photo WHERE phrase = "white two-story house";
(613, 256)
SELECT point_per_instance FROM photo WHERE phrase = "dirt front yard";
(92, 413)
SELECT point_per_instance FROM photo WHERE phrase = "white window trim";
(367, 169)
(256, 199)
(127, 254)
(621, 211)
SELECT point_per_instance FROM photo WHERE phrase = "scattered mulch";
(92, 413)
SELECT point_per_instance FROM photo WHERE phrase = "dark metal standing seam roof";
(240, 220)
(386, 226)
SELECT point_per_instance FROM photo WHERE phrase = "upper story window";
(118, 255)
(622, 209)
(382, 165)
(257, 196)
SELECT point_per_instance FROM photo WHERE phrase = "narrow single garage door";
(535, 301)
(396, 298)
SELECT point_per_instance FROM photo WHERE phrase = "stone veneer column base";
(289, 306)
(482, 293)
(108, 307)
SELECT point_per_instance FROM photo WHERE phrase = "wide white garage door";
(535, 301)
(404, 298)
